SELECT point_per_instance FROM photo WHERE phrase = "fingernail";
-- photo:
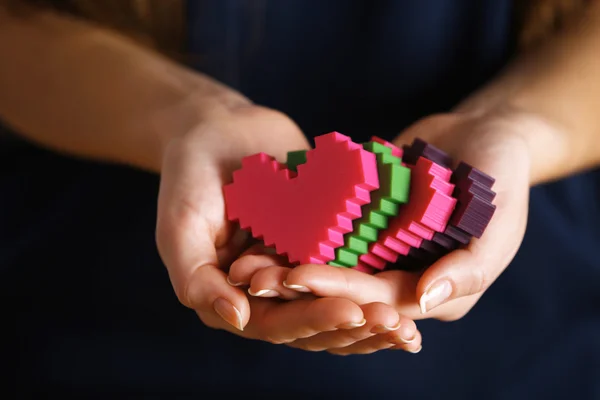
(264, 293)
(232, 283)
(416, 351)
(229, 313)
(401, 340)
(437, 294)
(352, 325)
(385, 328)
(407, 341)
(298, 288)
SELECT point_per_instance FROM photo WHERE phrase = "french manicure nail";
(385, 328)
(232, 283)
(264, 293)
(400, 340)
(407, 341)
(229, 313)
(297, 288)
(417, 350)
(352, 325)
(436, 295)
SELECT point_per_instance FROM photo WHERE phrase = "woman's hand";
(197, 244)
(381, 328)
(447, 290)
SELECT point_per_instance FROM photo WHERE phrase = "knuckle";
(478, 282)
(483, 280)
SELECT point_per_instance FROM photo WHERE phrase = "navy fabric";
(359, 67)
(89, 311)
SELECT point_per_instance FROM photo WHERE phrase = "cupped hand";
(193, 237)
(381, 327)
(449, 288)
(197, 244)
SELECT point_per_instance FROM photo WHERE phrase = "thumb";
(471, 271)
(458, 274)
(191, 226)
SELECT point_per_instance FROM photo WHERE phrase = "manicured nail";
(232, 283)
(417, 350)
(400, 340)
(352, 325)
(407, 341)
(436, 295)
(264, 293)
(297, 288)
(229, 313)
(385, 328)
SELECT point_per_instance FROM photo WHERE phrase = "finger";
(380, 318)
(468, 272)
(250, 262)
(392, 287)
(407, 337)
(367, 346)
(190, 227)
(283, 322)
(396, 288)
(268, 282)
(381, 342)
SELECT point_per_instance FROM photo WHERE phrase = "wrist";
(543, 141)
(201, 101)
(546, 139)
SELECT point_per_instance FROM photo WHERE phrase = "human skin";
(87, 92)
(538, 121)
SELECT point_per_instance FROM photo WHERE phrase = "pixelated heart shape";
(394, 184)
(304, 215)
(474, 208)
(428, 210)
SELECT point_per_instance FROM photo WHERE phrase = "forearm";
(560, 83)
(90, 92)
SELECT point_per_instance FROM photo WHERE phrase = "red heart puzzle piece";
(304, 215)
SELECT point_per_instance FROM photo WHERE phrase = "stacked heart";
(369, 207)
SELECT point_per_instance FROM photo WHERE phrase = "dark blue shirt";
(88, 305)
